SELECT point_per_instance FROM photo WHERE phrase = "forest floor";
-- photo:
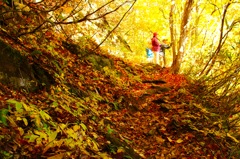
(121, 110)
(166, 120)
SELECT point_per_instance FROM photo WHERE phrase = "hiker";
(155, 48)
(163, 47)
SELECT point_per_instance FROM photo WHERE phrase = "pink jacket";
(155, 44)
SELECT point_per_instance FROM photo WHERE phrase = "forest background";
(205, 35)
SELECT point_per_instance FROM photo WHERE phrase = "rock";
(17, 73)
(159, 101)
(156, 90)
(159, 81)
(99, 62)
(76, 91)
(73, 48)
(117, 142)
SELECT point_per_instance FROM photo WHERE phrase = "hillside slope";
(100, 106)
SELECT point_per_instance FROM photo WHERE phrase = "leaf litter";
(146, 108)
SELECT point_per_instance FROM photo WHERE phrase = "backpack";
(149, 53)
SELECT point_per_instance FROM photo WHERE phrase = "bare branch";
(101, 16)
(211, 61)
(86, 17)
(117, 24)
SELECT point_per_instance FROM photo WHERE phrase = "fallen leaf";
(179, 141)
(58, 156)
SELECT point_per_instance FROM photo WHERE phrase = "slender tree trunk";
(209, 65)
(172, 29)
(183, 36)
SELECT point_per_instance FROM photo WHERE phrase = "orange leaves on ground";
(175, 80)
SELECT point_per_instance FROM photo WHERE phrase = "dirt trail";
(160, 120)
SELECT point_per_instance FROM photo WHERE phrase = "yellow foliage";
(22, 7)
(67, 10)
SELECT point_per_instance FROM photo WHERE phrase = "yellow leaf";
(67, 10)
(12, 122)
(59, 143)
(233, 138)
(70, 131)
(85, 152)
(52, 136)
(37, 120)
(179, 141)
(83, 126)
(104, 156)
(25, 121)
(26, 107)
(87, 99)
(44, 115)
(101, 123)
(58, 156)
(120, 149)
(76, 127)
(41, 134)
(159, 139)
(93, 144)
(32, 138)
(80, 84)
(62, 126)
(72, 134)
(169, 139)
(95, 135)
(21, 131)
(22, 7)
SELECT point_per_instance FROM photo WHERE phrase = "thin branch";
(86, 17)
(116, 25)
(210, 61)
(101, 16)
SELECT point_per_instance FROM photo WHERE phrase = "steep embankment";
(102, 107)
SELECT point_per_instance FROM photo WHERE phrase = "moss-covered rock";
(16, 72)
(99, 62)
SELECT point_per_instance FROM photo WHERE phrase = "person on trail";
(163, 46)
(155, 48)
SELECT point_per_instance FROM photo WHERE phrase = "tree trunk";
(183, 36)
(209, 65)
(173, 29)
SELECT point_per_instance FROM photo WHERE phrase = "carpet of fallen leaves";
(166, 124)
(153, 111)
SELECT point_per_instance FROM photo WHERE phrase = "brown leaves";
(156, 132)
(157, 119)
